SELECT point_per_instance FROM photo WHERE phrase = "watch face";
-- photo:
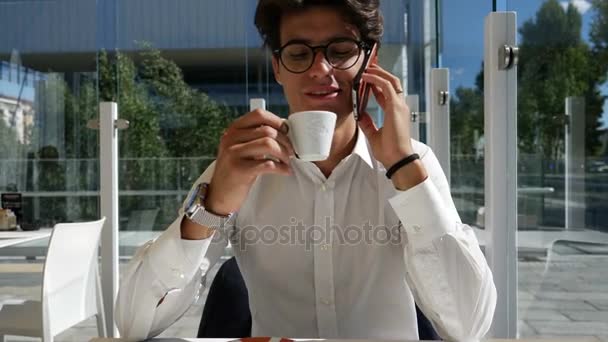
(190, 201)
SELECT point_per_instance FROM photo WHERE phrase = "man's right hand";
(243, 156)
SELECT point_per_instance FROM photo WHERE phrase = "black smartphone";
(361, 89)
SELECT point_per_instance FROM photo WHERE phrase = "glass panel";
(181, 79)
(48, 156)
(462, 52)
(408, 48)
(181, 71)
(562, 201)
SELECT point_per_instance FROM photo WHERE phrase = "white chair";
(71, 289)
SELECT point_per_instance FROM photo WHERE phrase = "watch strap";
(199, 215)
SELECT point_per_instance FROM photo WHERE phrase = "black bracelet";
(401, 164)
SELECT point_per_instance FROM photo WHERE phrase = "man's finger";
(377, 70)
(368, 126)
(388, 89)
(258, 118)
(242, 135)
(259, 148)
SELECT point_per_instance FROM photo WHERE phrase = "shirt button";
(323, 188)
(416, 228)
(325, 301)
(324, 247)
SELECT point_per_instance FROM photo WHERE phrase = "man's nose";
(320, 65)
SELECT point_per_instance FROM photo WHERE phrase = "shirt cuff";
(175, 260)
(422, 213)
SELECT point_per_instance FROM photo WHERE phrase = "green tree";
(168, 119)
(193, 122)
(80, 107)
(466, 117)
(9, 143)
(466, 120)
(555, 63)
(599, 39)
(119, 83)
(599, 26)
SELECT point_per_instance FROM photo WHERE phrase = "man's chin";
(341, 112)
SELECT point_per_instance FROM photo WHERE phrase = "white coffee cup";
(311, 133)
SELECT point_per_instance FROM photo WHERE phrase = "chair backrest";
(70, 277)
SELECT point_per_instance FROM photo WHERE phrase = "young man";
(330, 249)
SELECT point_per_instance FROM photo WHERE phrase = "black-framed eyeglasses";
(341, 53)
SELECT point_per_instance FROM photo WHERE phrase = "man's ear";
(276, 69)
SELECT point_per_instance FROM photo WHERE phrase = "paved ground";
(565, 294)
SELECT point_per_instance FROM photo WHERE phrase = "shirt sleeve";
(168, 268)
(447, 271)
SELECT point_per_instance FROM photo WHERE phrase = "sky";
(463, 37)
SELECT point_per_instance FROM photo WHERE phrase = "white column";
(575, 163)
(413, 102)
(439, 116)
(500, 114)
(108, 161)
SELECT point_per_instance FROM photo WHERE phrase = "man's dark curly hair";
(363, 14)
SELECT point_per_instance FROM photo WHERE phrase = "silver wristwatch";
(195, 210)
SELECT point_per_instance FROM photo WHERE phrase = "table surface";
(10, 238)
(166, 339)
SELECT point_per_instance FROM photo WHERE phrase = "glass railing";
(66, 190)
(563, 232)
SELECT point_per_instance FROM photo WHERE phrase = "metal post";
(413, 102)
(500, 113)
(575, 163)
(439, 114)
(108, 161)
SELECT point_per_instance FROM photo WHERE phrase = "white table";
(166, 339)
(9, 238)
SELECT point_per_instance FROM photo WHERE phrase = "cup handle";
(285, 128)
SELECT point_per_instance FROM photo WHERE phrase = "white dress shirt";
(328, 258)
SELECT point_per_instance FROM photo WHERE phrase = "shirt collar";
(362, 148)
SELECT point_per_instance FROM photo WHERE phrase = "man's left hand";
(391, 142)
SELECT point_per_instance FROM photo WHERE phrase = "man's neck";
(342, 144)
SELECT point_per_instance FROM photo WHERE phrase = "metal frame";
(108, 161)
(438, 124)
(413, 103)
(500, 113)
(575, 162)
